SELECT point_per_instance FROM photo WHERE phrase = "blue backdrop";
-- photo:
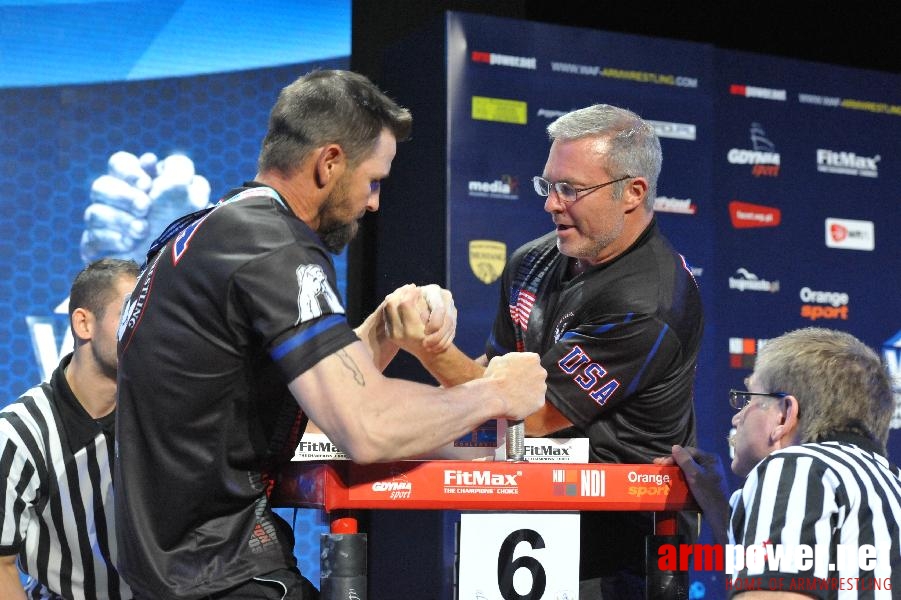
(779, 185)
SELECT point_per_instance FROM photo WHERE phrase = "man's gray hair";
(840, 383)
(634, 148)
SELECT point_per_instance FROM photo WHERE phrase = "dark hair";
(94, 286)
(324, 107)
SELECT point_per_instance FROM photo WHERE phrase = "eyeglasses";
(566, 191)
(739, 400)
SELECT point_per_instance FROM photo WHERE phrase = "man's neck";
(95, 391)
(301, 202)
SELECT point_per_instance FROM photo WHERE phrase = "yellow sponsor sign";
(487, 259)
(500, 110)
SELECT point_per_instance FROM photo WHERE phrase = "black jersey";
(620, 343)
(232, 309)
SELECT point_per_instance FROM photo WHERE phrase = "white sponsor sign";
(849, 234)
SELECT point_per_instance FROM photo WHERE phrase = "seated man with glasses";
(810, 440)
(616, 316)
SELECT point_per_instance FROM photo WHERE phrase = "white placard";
(556, 450)
(522, 556)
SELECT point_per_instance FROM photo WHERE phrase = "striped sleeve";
(26, 472)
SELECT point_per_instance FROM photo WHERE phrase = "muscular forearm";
(374, 418)
(451, 367)
(372, 333)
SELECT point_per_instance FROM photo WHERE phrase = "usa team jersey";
(619, 342)
(234, 307)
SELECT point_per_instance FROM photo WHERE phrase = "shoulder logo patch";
(314, 294)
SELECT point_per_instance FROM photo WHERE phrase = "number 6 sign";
(519, 556)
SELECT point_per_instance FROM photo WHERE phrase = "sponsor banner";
(744, 280)
(556, 450)
(871, 106)
(487, 259)
(679, 206)
(750, 91)
(849, 234)
(745, 215)
(485, 443)
(675, 131)
(500, 110)
(500, 485)
(743, 352)
(847, 163)
(824, 304)
(504, 60)
(762, 156)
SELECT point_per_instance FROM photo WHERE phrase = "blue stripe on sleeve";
(602, 329)
(647, 360)
(306, 335)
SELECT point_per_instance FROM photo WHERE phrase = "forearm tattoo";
(351, 366)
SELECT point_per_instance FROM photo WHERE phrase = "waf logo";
(743, 352)
(762, 157)
(745, 215)
(848, 234)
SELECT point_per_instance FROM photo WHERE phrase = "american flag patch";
(521, 303)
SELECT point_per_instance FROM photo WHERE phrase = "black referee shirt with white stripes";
(57, 510)
(834, 497)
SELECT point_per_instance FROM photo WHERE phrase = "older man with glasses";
(616, 316)
(810, 439)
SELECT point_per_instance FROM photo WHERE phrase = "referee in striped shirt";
(56, 454)
(810, 439)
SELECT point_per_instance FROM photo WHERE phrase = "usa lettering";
(588, 375)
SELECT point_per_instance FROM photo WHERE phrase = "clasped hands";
(420, 319)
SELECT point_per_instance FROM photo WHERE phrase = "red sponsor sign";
(745, 215)
(476, 485)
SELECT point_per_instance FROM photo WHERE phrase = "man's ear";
(82, 324)
(330, 164)
(634, 193)
(786, 432)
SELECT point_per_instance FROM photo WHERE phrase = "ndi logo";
(891, 353)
